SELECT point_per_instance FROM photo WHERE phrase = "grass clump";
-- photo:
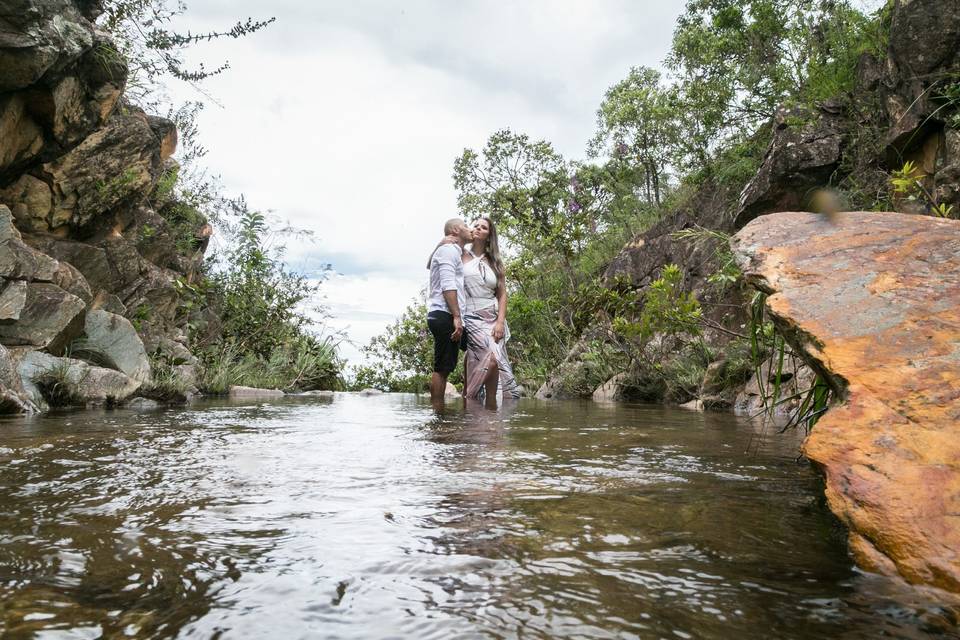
(58, 388)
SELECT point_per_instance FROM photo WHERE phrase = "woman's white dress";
(479, 317)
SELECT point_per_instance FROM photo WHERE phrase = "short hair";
(451, 225)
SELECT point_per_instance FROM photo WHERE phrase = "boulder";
(319, 393)
(113, 337)
(115, 164)
(371, 392)
(12, 300)
(21, 139)
(240, 392)
(108, 302)
(796, 378)
(21, 262)
(90, 260)
(590, 363)
(911, 47)
(83, 382)
(872, 302)
(69, 278)
(50, 319)
(13, 397)
(451, 391)
(40, 36)
(142, 404)
(8, 230)
(609, 391)
(31, 202)
(804, 153)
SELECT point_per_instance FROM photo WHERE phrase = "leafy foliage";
(153, 49)
(401, 358)
(265, 335)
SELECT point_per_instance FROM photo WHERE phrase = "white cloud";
(345, 117)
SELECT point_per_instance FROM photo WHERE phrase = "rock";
(84, 382)
(693, 405)
(642, 259)
(319, 393)
(237, 391)
(115, 164)
(800, 157)
(154, 295)
(12, 300)
(114, 337)
(142, 404)
(872, 302)
(371, 392)
(68, 278)
(31, 202)
(108, 302)
(8, 230)
(796, 378)
(21, 262)
(91, 261)
(912, 48)
(609, 391)
(50, 318)
(13, 397)
(451, 391)
(21, 139)
(40, 36)
(166, 132)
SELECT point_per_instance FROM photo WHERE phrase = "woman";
(485, 317)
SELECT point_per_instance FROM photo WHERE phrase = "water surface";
(373, 517)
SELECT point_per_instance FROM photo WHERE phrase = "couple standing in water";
(466, 311)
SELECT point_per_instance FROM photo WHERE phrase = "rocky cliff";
(903, 108)
(91, 266)
(872, 301)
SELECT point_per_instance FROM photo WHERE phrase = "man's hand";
(457, 329)
(498, 331)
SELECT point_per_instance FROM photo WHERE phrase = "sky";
(344, 118)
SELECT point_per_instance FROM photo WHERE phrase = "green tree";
(401, 358)
(737, 61)
(636, 123)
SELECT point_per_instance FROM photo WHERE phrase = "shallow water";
(372, 517)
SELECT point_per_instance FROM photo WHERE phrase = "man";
(445, 300)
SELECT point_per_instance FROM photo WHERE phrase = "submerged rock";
(237, 391)
(872, 301)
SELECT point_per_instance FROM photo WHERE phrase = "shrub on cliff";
(266, 334)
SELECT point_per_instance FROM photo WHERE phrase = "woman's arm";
(498, 326)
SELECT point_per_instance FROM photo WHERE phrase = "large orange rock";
(873, 301)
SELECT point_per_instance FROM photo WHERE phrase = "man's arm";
(446, 267)
(451, 298)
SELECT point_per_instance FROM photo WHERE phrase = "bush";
(401, 358)
(266, 337)
(58, 387)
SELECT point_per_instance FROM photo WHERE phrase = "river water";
(375, 517)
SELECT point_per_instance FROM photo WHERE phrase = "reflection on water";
(373, 517)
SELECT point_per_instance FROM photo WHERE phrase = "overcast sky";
(345, 117)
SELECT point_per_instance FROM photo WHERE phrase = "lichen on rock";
(872, 302)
